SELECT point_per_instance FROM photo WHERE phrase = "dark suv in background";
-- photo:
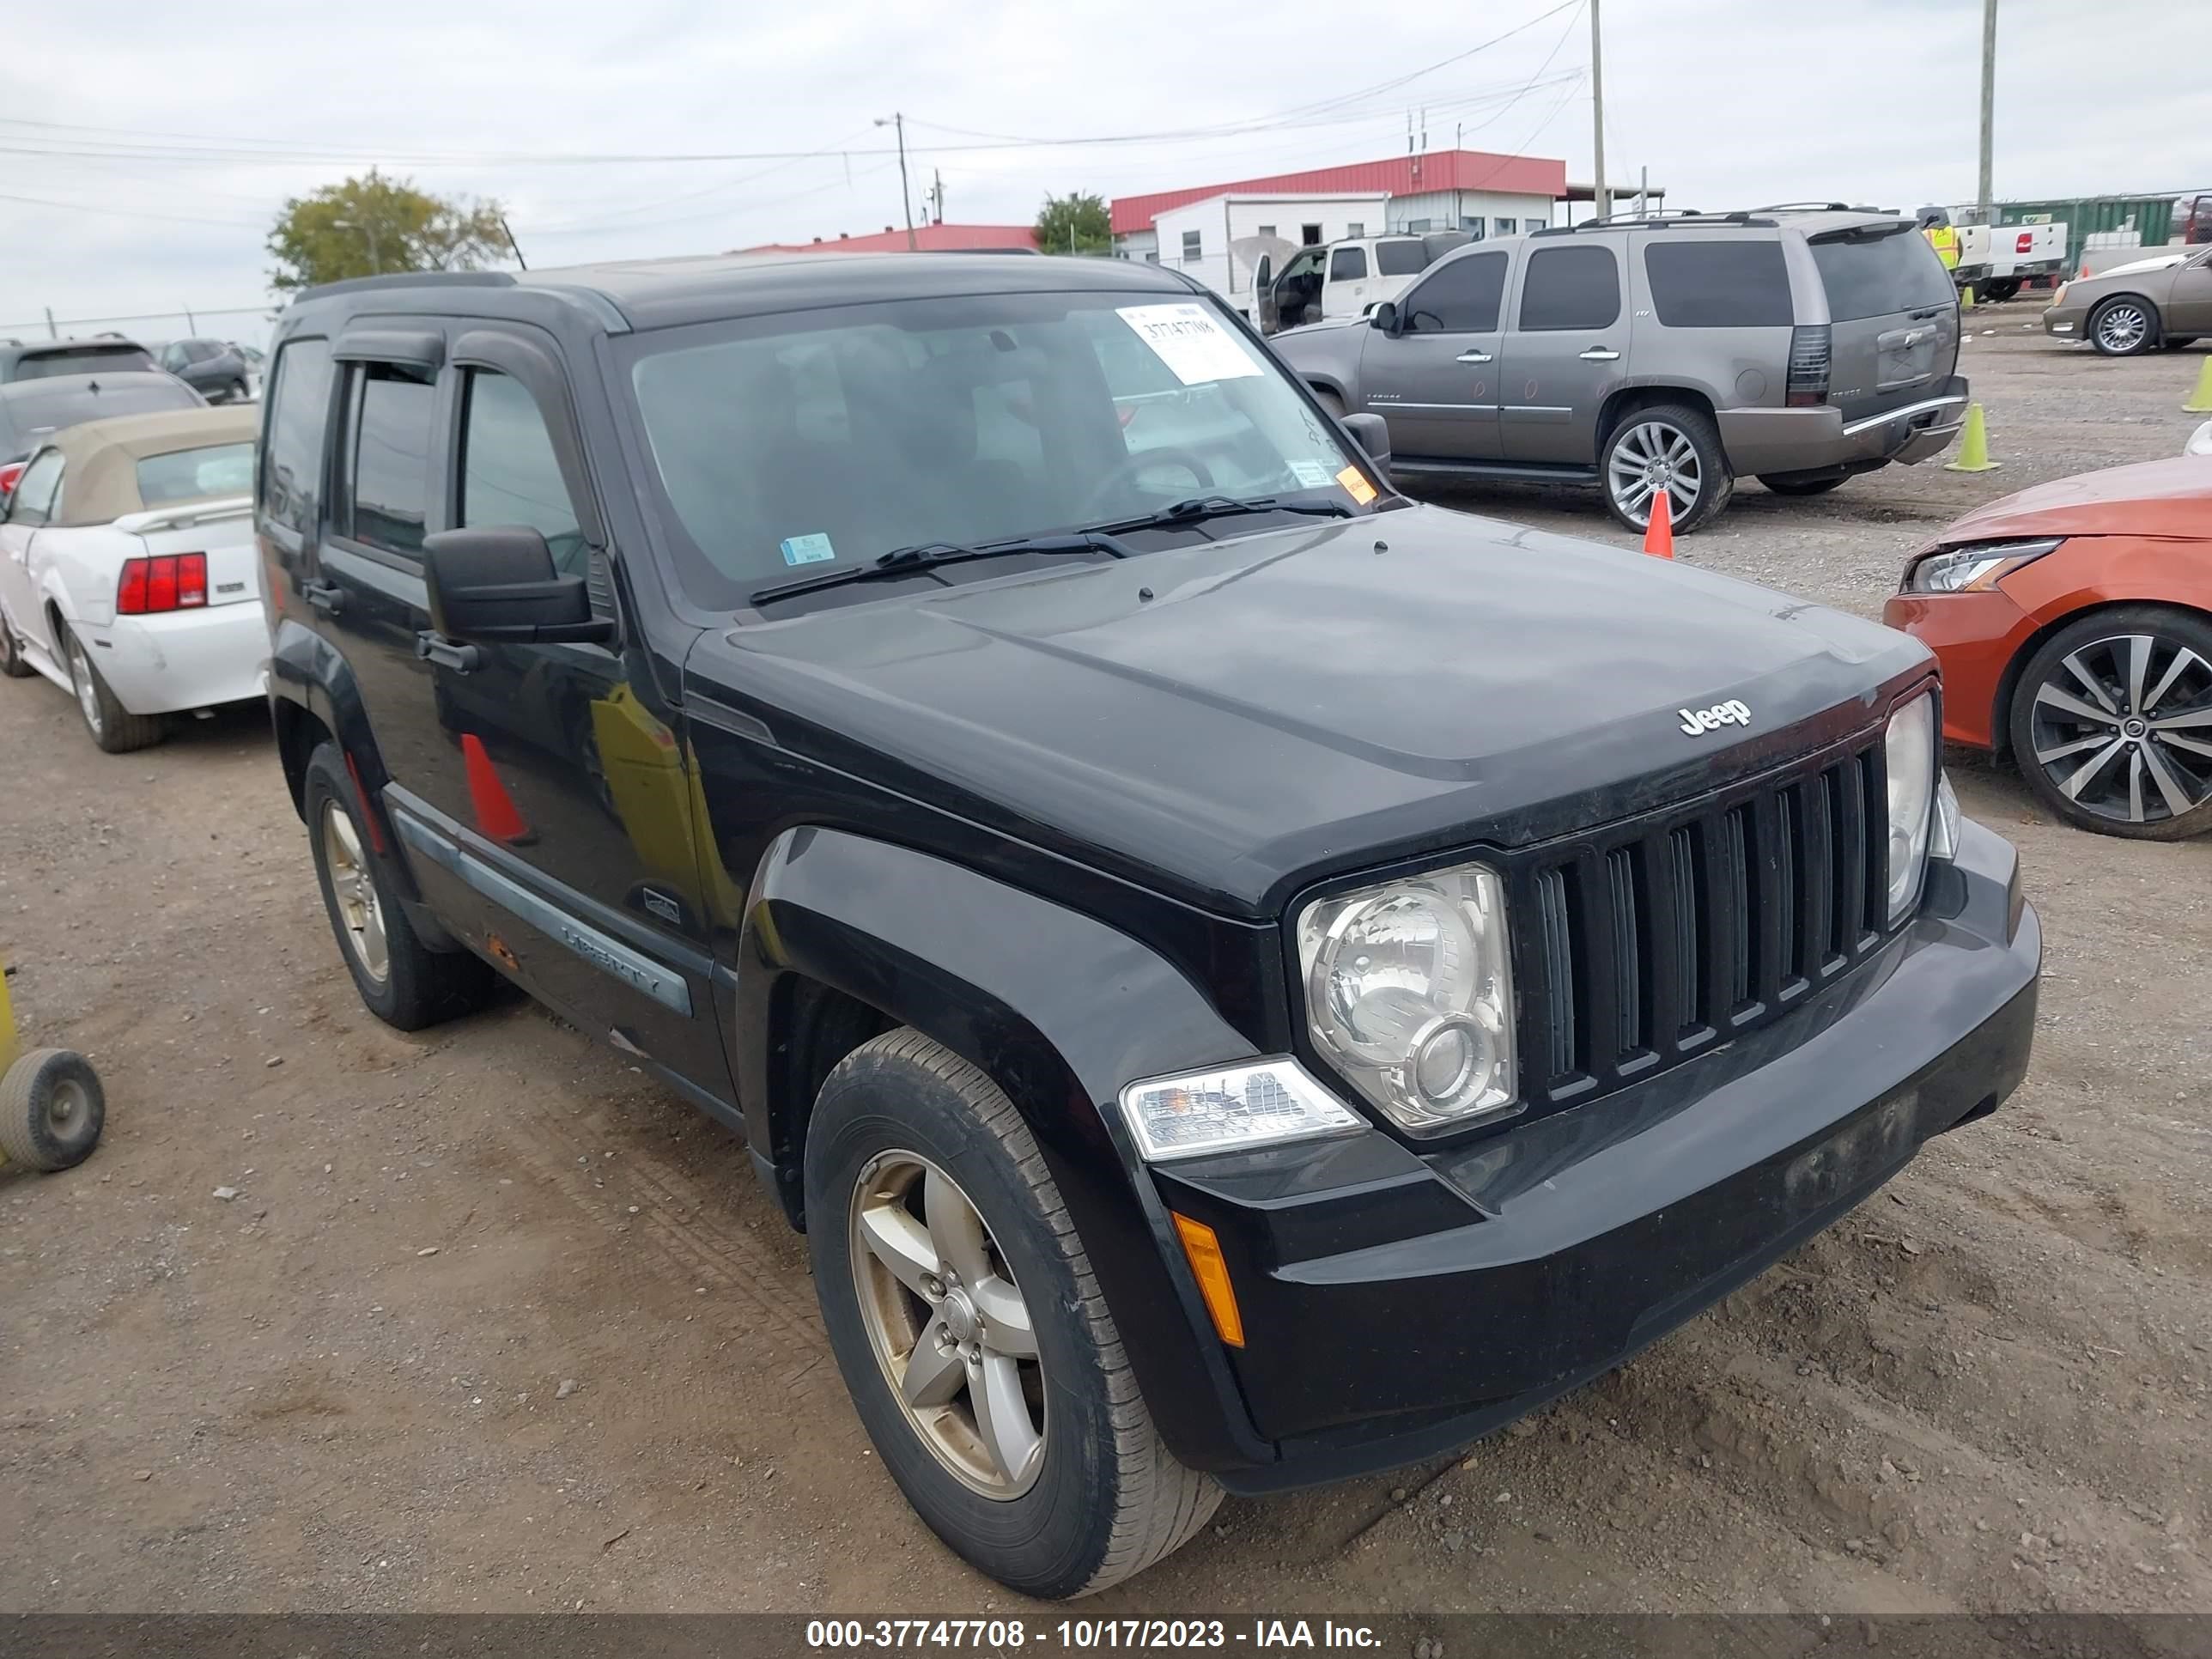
(47, 360)
(1682, 352)
(215, 368)
(1243, 979)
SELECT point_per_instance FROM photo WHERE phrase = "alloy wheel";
(2121, 328)
(1645, 457)
(87, 693)
(949, 1324)
(353, 889)
(2123, 728)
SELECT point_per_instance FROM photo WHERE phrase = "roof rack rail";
(1804, 207)
(410, 279)
(1671, 218)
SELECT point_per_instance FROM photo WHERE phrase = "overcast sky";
(169, 134)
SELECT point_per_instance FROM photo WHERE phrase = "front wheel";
(2111, 723)
(973, 1337)
(1672, 446)
(1999, 289)
(2123, 327)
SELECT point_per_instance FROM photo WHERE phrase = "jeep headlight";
(1409, 993)
(1909, 759)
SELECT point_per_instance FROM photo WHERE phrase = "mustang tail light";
(8, 474)
(168, 581)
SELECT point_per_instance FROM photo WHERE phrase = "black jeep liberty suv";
(1244, 980)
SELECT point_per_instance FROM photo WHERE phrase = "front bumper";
(2065, 322)
(185, 659)
(1975, 635)
(1397, 1306)
(1818, 440)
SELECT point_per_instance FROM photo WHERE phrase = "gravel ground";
(493, 1323)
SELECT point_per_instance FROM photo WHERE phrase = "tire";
(903, 1121)
(1783, 484)
(2123, 326)
(1675, 434)
(13, 665)
(114, 728)
(2149, 786)
(1331, 403)
(402, 981)
(2000, 289)
(52, 1108)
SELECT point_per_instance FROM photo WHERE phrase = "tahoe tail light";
(1808, 368)
(8, 474)
(169, 581)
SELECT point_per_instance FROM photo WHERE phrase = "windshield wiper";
(906, 561)
(1199, 508)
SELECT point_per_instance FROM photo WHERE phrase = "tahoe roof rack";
(1661, 219)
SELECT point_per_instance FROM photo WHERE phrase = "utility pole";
(1603, 190)
(936, 196)
(1989, 100)
(896, 121)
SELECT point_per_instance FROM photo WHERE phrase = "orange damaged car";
(2073, 623)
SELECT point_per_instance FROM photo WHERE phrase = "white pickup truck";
(1348, 279)
(1996, 260)
(127, 571)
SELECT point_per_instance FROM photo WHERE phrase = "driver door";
(1435, 380)
(27, 510)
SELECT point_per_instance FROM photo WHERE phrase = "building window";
(1310, 236)
(1190, 245)
(1503, 226)
(1533, 225)
(1355, 227)
(1152, 256)
(1473, 226)
(1415, 227)
(1267, 230)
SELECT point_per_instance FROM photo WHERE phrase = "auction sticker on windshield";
(1194, 347)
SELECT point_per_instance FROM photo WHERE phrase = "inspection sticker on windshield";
(808, 549)
(1312, 475)
(1190, 343)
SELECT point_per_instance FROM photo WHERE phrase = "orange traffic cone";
(1659, 533)
(495, 813)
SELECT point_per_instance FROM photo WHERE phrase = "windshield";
(188, 475)
(82, 359)
(811, 441)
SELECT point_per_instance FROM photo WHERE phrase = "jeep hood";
(1227, 720)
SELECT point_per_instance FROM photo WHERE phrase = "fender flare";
(1060, 1011)
(308, 673)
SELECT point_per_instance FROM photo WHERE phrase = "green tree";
(374, 224)
(1075, 224)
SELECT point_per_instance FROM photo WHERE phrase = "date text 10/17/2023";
(1083, 1634)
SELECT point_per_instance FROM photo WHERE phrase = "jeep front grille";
(1654, 941)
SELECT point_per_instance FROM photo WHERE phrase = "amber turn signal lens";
(1203, 1247)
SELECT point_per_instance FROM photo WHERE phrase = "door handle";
(1477, 356)
(327, 597)
(1601, 355)
(437, 648)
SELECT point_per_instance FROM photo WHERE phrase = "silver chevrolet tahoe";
(1802, 344)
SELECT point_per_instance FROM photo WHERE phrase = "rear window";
(1741, 284)
(1401, 258)
(189, 475)
(1875, 276)
(82, 360)
(37, 411)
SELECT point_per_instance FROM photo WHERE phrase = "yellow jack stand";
(52, 1105)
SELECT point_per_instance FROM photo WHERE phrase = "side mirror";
(499, 585)
(1372, 435)
(1384, 316)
